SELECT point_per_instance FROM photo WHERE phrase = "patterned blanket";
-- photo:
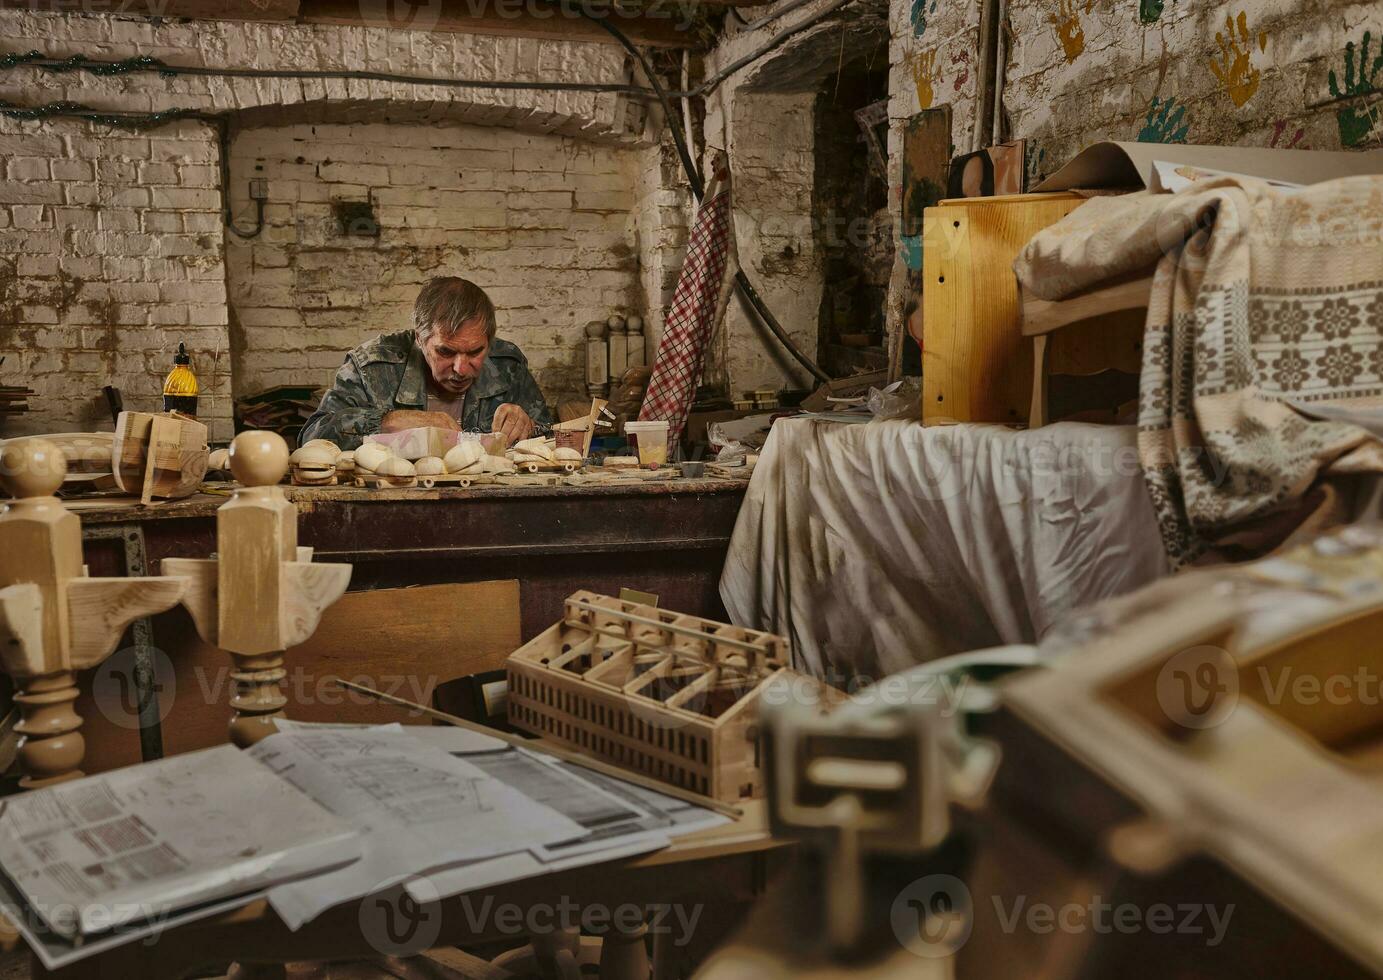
(1261, 295)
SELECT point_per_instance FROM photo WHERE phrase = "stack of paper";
(551, 815)
(312, 817)
(123, 853)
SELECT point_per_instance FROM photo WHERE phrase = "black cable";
(746, 288)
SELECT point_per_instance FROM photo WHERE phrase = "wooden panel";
(1111, 342)
(976, 363)
(402, 641)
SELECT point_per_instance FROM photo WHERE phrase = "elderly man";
(448, 371)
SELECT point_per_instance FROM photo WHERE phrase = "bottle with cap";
(180, 387)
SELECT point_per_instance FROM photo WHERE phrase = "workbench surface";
(668, 537)
(122, 509)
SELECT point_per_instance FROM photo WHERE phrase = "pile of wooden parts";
(88, 456)
(665, 694)
(539, 455)
(160, 455)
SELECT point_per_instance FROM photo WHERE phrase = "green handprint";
(1149, 10)
(1170, 125)
(1356, 121)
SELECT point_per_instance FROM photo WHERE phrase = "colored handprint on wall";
(1294, 143)
(961, 62)
(1167, 124)
(925, 76)
(1069, 30)
(921, 10)
(1356, 122)
(1149, 10)
(1234, 67)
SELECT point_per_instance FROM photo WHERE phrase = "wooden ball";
(32, 468)
(258, 459)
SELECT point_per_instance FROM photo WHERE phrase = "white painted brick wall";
(494, 206)
(112, 247)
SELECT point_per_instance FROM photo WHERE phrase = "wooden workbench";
(665, 537)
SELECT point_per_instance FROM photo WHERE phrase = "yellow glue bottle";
(180, 387)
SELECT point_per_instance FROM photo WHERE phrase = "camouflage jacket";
(389, 373)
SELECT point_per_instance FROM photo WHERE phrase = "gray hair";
(451, 302)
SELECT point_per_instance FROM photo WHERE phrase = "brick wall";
(542, 222)
(110, 253)
(111, 245)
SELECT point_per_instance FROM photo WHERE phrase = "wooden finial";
(261, 595)
(53, 620)
(32, 468)
(258, 459)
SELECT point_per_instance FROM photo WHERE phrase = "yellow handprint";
(1234, 68)
(1068, 26)
(924, 76)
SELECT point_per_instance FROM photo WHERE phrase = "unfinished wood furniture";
(88, 456)
(414, 649)
(160, 455)
(665, 694)
(54, 620)
(1120, 306)
(1224, 752)
(262, 593)
(977, 363)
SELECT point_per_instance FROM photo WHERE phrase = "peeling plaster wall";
(1246, 73)
(934, 58)
(1271, 73)
(763, 115)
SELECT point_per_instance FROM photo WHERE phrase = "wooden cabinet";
(976, 364)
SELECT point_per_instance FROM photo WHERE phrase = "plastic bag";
(900, 400)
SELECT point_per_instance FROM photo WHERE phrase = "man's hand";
(513, 423)
(408, 419)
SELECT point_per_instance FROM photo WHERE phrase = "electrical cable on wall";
(746, 288)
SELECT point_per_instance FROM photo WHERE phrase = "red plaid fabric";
(691, 318)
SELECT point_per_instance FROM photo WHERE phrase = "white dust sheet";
(877, 547)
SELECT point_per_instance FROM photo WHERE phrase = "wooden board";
(404, 640)
(926, 159)
(976, 363)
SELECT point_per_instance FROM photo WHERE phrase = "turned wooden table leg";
(623, 955)
(52, 747)
(258, 698)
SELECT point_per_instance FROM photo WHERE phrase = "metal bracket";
(131, 537)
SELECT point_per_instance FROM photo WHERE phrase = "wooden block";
(159, 455)
(257, 530)
(41, 542)
(403, 640)
(926, 160)
(976, 363)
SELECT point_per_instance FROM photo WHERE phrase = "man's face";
(455, 359)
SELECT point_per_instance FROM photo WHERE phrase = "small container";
(650, 441)
(180, 387)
